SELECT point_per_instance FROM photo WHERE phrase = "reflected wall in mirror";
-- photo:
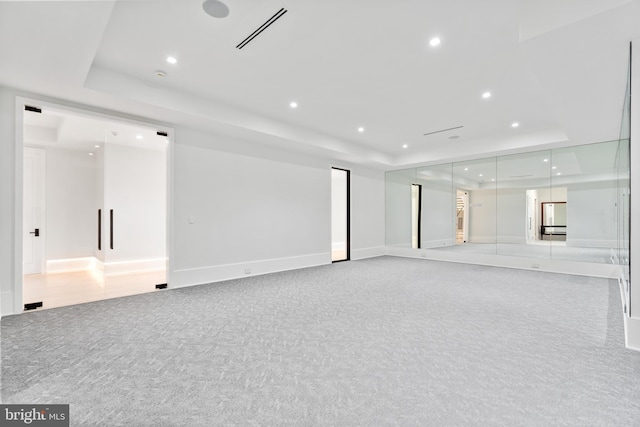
(438, 206)
(398, 221)
(523, 183)
(589, 174)
(475, 214)
(503, 205)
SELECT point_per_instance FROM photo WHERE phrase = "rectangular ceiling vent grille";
(261, 28)
(443, 130)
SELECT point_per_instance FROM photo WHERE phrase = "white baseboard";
(70, 264)
(608, 271)
(368, 252)
(632, 338)
(437, 243)
(512, 239)
(592, 243)
(218, 273)
(6, 303)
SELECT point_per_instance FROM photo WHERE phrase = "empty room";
(229, 212)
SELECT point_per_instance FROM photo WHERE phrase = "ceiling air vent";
(443, 130)
(261, 28)
(32, 109)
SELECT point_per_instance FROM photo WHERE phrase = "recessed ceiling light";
(215, 8)
(138, 136)
(160, 73)
(97, 146)
(435, 41)
(486, 95)
(559, 173)
(91, 154)
(405, 146)
(493, 179)
(554, 167)
(466, 169)
(293, 104)
(545, 160)
(360, 129)
(515, 124)
(171, 60)
(480, 175)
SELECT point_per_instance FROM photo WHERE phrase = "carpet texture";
(382, 341)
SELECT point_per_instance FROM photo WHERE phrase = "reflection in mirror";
(569, 203)
(438, 206)
(554, 220)
(474, 185)
(416, 207)
(398, 210)
(589, 175)
(523, 183)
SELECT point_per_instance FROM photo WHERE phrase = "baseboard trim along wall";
(608, 271)
(70, 264)
(6, 298)
(368, 252)
(198, 276)
(632, 338)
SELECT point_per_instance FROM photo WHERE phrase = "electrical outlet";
(535, 265)
(247, 271)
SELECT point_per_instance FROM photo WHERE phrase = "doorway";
(99, 224)
(340, 215)
(416, 214)
(462, 216)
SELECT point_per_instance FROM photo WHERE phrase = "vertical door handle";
(36, 232)
(111, 228)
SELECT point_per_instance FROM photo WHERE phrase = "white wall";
(398, 207)
(482, 216)
(592, 215)
(367, 213)
(512, 215)
(7, 204)
(235, 214)
(71, 224)
(438, 226)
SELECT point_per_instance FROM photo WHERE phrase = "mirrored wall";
(568, 203)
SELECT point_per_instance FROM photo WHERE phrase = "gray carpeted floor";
(383, 341)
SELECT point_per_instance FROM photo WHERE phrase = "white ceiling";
(55, 128)
(558, 67)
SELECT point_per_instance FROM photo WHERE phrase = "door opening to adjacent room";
(340, 215)
(94, 208)
(416, 213)
(462, 217)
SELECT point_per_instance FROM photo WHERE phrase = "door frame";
(348, 214)
(81, 110)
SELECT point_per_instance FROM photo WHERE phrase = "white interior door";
(33, 211)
